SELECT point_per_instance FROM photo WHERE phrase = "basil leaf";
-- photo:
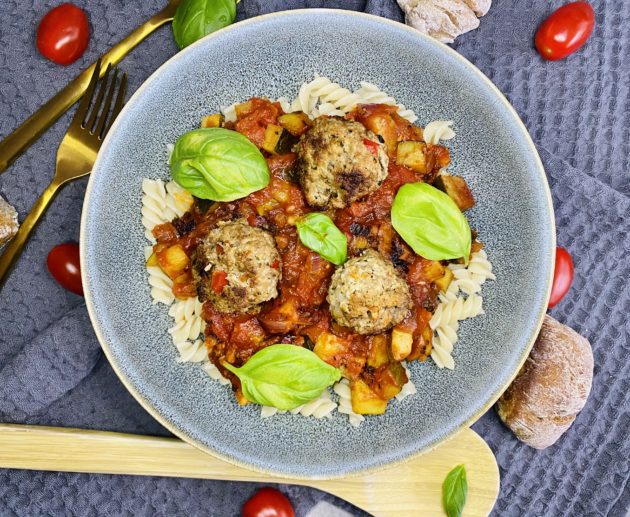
(218, 164)
(284, 376)
(431, 223)
(319, 233)
(454, 491)
(196, 18)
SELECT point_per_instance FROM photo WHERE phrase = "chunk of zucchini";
(278, 140)
(214, 120)
(457, 189)
(328, 346)
(295, 123)
(412, 155)
(433, 270)
(377, 352)
(401, 344)
(243, 108)
(364, 400)
(445, 280)
(389, 381)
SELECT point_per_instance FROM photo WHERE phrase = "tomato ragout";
(300, 314)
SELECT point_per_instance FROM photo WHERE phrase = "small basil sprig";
(196, 18)
(454, 491)
(319, 233)
(284, 376)
(218, 164)
(430, 222)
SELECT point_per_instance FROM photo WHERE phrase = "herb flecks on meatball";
(237, 268)
(368, 295)
(339, 161)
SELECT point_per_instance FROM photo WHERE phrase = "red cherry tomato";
(562, 276)
(268, 502)
(63, 33)
(63, 264)
(565, 31)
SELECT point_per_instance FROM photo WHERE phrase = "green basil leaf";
(218, 164)
(284, 376)
(430, 222)
(454, 491)
(196, 18)
(319, 233)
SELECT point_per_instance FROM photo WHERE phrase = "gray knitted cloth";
(578, 111)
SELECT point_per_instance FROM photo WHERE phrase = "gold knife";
(44, 117)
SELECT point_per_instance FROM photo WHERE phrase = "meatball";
(368, 295)
(339, 161)
(247, 265)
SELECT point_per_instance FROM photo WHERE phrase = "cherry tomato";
(565, 30)
(268, 502)
(63, 264)
(63, 33)
(562, 276)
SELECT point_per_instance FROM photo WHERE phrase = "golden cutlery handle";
(44, 117)
(14, 248)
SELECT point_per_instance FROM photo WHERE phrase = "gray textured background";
(578, 111)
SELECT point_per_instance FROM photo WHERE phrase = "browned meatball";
(249, 259)
(339, 161)
(368, 295)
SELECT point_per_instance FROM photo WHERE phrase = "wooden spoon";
(411, 488)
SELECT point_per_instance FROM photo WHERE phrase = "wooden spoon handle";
(411, 488)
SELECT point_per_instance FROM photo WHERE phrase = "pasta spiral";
(321, 407)
(438, 130)
(454, 307)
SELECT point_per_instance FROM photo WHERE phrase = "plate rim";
(510, 111)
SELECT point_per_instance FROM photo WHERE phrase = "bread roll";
(551, 388)
(8, 222)
(444, 20)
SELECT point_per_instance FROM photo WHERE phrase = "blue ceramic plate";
(271, 56)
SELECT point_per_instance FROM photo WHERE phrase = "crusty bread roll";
(8, 222)
(444, 20)
(551, 388)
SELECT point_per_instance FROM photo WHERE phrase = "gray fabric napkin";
(51, 369)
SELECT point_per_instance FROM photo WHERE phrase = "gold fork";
(77, 151)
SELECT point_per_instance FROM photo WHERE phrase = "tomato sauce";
(300, 314)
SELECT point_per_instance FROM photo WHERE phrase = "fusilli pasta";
(342, 389)
(454, 307)
(438, 130)
(321, 407)
(409, 388)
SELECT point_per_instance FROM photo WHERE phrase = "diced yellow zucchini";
(364, 400)
(401, 344)
(422, 346)
(214, 120)
(243, 108)
(173, 261)
(295, 123)
(433, 270)
(445, 280)
(389, 381)
(377, 352)
(457, 189)
(277, 140)
(328, 346)
(152, 261)
(412, 155)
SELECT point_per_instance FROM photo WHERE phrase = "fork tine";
(81, 112)
(108, 103)
(120, 101)
(99, 99)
